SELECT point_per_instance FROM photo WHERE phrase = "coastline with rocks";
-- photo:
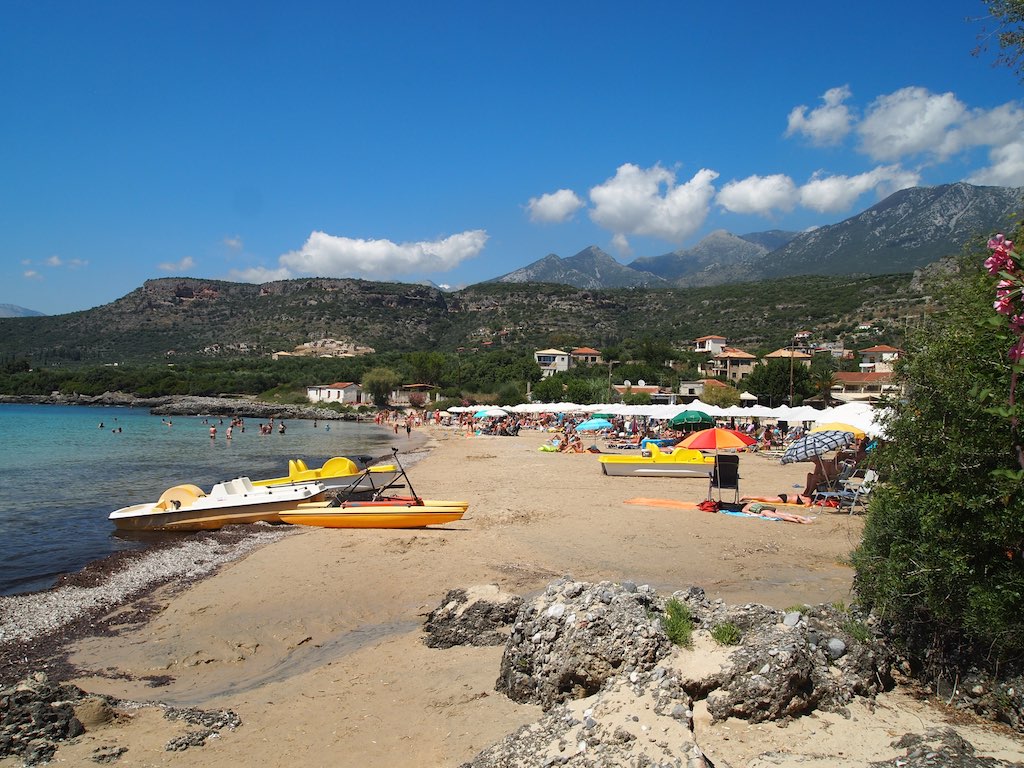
(469, 644)
(191, 405)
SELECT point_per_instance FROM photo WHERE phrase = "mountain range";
(13, 310)
(904, 232)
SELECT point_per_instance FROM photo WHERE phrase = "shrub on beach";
(942, 557)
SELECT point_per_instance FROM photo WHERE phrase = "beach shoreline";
(315, 640)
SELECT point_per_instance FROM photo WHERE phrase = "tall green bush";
(942, 557)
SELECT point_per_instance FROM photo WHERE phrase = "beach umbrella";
(813, 445)
(716, 438)
(838, 426)
(594, 425)
(690, 417)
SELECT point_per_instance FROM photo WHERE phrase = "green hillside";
(186, 319)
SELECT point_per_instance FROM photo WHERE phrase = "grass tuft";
(678, 623)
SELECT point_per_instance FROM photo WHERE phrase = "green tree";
(379, 383)
(550, 389)
(723, 397)
(771, 382)
(1008, 16)
(942, 557)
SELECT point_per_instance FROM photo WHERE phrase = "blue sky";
(457, 141)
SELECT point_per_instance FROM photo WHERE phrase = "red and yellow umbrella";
(717, 438)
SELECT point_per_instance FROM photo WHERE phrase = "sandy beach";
(315, 640)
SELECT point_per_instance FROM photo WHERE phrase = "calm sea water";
(61, 475)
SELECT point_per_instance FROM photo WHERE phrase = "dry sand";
(315, 640)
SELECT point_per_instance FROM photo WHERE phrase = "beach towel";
(673, 503)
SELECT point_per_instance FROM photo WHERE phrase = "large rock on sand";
(475, 616)
(565, 644)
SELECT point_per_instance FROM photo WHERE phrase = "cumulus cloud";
(56, 261)
(180, 266)
(911, 121)
(621, 245)
(639, 201)
(826, 125)
(234, 243)
(330, 256)
(831, 194)
(759, 194)
(554, 207)
(31, 274)
(1006, 167)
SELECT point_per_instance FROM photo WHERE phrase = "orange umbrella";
(715, 438)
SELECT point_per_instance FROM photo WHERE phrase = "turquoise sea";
(61, 474)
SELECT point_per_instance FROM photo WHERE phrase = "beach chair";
(726, 476)
(855, 491)
(835, 485)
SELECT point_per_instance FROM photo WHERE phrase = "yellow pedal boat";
(339, 473)
(385, 513)
(655, 462)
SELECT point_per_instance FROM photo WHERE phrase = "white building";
(552, 361)
(344, 392)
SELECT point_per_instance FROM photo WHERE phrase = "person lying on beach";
(800, 500)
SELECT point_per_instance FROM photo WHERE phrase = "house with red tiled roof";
(879, 358)
(862, 385)
(799, 358)
(586, 355)
(344, 392)
(731, 364)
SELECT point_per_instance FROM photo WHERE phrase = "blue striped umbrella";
(814, 444)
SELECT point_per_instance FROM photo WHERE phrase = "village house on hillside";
(873, 380)
(712, 345)
(879, 359)
(797, 357)
(731, 364)
(585, 355)
(326, 348)
(552, 361)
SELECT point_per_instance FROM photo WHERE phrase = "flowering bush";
(1004, 263)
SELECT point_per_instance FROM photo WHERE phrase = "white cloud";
(326, 255)
(234, 243)
(911, 121)
(642, 201)
(180, 266)
(621, 245)
(832, 194)
(31, 274)
(1006, 168)
(56, 261)
(554, 207)
(759, 194)
(828, 124)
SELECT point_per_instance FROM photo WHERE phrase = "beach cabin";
(344, 392)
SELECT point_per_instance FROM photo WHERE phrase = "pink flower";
(1017, 351)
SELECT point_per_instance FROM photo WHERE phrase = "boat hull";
(680, 462)
(187, 508)
(373, 515)
(665, 469)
